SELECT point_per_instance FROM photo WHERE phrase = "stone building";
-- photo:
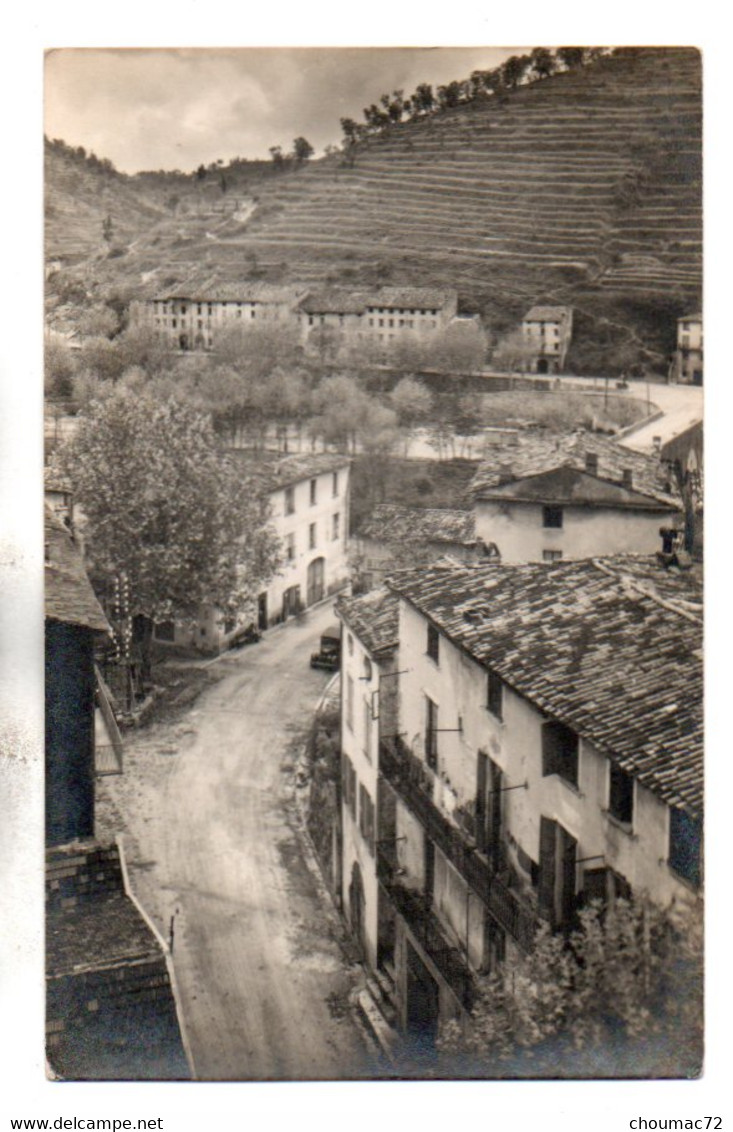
(544, 496)
(309, 513)
(547, 332)
(520, 772)
(689, 355)
(392, 535)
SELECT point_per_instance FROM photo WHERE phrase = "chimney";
(657, 442)
(591, 463)
(505, 474)
(627, 478)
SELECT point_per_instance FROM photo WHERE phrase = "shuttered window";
(621, 795)
(685, 846)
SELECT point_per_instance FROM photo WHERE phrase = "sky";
(175, 108)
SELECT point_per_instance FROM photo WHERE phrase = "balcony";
(413, 782)
(416, 910)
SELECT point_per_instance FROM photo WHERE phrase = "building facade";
(547, 332)
(548, 496)
(309, 513)
(526, 775)
(689, 356)
(190, 319)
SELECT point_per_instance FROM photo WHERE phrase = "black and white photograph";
(372, 693)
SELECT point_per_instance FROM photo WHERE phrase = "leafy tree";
(340, 405)
(513, 353)
(411, 400)
(377, 431)
(542, 62)
(107, 229)
(277, 156)
(302, 149)
(627, 983)
(59, 368)
(514, 69)
(99, 322)
(201, 173)
(102, 359)
(166, 510)
(571, 57)
(423, 99)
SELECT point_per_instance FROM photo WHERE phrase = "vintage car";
(329, 653)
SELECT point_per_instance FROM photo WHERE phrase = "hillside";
(584, 188)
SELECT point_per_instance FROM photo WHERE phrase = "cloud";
(175, 108)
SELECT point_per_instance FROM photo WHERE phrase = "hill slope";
(582, 188)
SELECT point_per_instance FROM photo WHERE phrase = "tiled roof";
(536, 451)
(611, 647)
(336, 301)
(411, 298)
(278, 471)
(690, 318)
(393, 522)
(374, 618)
(548, 314)
(69, 595)
(211, 291)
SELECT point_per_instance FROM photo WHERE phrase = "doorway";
(423, 1003)
(262, 611)
(316, 581)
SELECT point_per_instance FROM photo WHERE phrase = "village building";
(689, 356)
(189, 318)
(392, 535)
(309, 513)
(526, 772)
(110, 1009)
(547, 332)
(369, 663)
(545, 496)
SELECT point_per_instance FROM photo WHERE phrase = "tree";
(412, 401)
(302, 149)
(514, 70)
(543, 62)
(571, 57)
(276, 154)
(107, 229)
(99, 322)
(423, 100)
(59, 368)
(166, 510)
(513, 353)
(627, 983)
(340, 405)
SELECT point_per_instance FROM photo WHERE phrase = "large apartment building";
(547, 332)
(541, 747)
(190, 317)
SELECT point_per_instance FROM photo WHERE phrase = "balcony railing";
(417, 912)
(413, 782)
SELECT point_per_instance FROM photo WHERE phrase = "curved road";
(212, 843)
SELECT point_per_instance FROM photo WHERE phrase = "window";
(685, 845)
(290, 547)
(336, 524)
(433, 648)
(495, 694)
(431, 733)
(556, 881)
(335, 484)
(350, 702)
(312, 536)
(348, 785)
(605, 885)
(289, 500)
(552, 516)
(620, 795)
(350, 644)
(366, 818)
(367, 717)
(560, 751)
(314, 485)
(551, 555)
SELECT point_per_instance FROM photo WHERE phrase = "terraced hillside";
(582, 188)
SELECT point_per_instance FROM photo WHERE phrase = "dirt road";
(217, 859)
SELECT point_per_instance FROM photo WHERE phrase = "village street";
(213, 847)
